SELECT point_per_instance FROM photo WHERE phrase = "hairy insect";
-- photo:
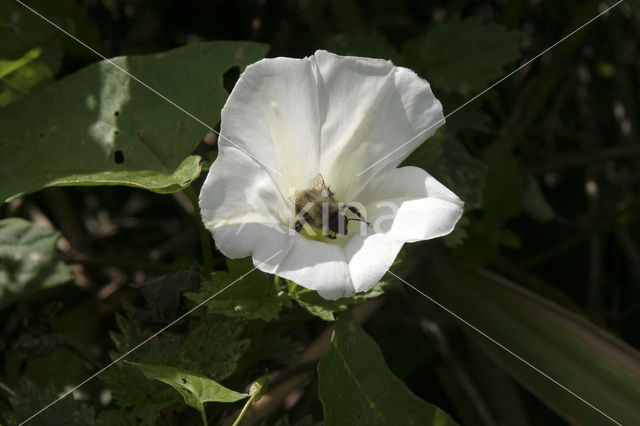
(318, 207)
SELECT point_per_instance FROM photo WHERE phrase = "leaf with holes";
(357, 388)
(194, 388)
(28, 260)
(99, 126)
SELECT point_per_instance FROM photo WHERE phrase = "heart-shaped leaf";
(194, 388)
(100, 126)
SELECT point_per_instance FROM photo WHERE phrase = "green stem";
(204, 417)
(244, 409)
(205, 239)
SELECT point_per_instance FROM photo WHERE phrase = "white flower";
(288, 121)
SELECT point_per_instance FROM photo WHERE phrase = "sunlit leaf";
(194, 388)
(8, 66)
(134, 393)
(28, 260)
(99, 126)
(29, 51)
(356, 387)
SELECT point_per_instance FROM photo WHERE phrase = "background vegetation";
(546, 259)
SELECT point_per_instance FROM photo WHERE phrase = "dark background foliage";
(547, 161)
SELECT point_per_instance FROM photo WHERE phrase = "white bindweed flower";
(294, 167)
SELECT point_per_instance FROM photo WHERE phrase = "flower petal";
(266, 243)
(272, 114)
(239, 190)
(245, 212)
(375, 113)
(370, 257)
(411, 205)
(276, 249)
(318, 266)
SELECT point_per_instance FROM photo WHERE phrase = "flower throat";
(318, 207)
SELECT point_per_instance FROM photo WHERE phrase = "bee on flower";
(307, 179)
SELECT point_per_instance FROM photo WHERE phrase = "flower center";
(319, 216)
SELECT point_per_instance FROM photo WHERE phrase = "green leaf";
(212, 344)
(9, 66)
(356, 387)
(586, 359)
(163, 294)
(99, 126)
(325, 309)
(253, 295)
(194, 388)
(133, 392)
(32, 74)
(21, 30)
(28, 260)
(462, 56)
(464, 174)
(370, 45)
(29, 53)
(470, 117)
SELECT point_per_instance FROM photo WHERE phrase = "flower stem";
(244, 409)
(204, 418)
(205, 239)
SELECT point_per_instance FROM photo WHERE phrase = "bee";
(311, 204)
